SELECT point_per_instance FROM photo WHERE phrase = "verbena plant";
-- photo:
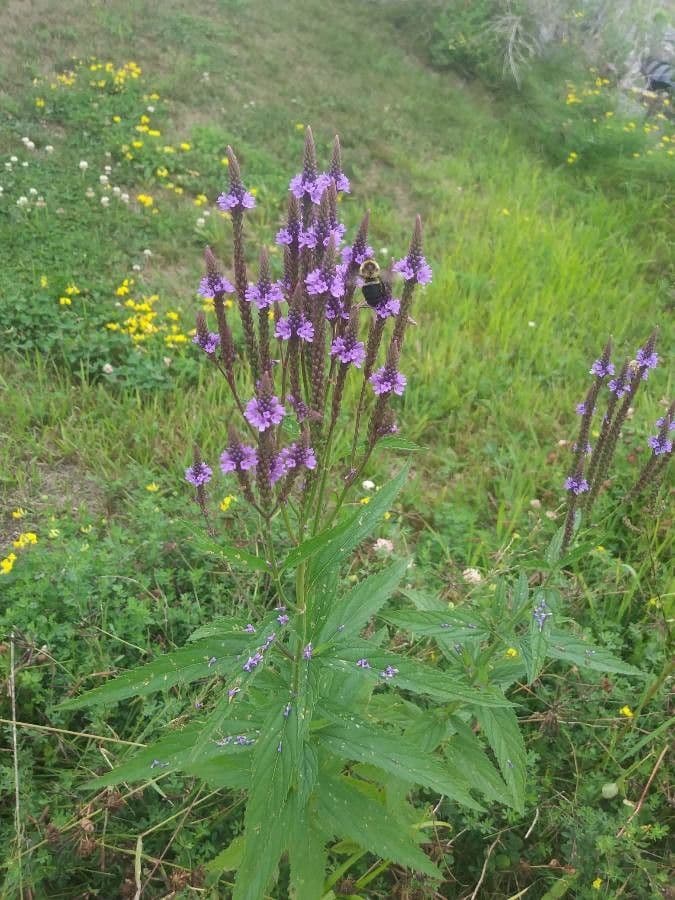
(331, 732)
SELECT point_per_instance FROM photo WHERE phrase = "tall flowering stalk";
(590, 465)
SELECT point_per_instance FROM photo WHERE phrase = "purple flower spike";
(391, 307)
(576, 484)
(263, 412)
(602, 369)
(308, 651)
(413, 268)
(283, 619)
(214, 283)
(620, 386)
(356, 255)
(389, 672)
(198, 474)
(252, 662)
(646, 360)
(662, 421)
(237, 198)
(312, 186)
(349, 350)
(387, 380)
(541, 613)
(295, 325)
(250, 629)
(363, 664)
(316, 282)
(660, 445)
(581, 409)
(264, 295)
(290, 458)
(335, 309)
(238, 458)
(208, 342)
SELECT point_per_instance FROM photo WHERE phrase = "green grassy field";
(535, 265)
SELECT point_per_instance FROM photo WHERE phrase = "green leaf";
(235, 555)
(394, 442)
(583, 653)
(352, 613)
(331, 547)
(412, 675)
(347, 813)
(307, 856)
(228, 860)
(268, 815)
(559, 890)
(466, 755)
(356, 740)
(554, 549)
(206, 659)
(450, 625)
(500, 727)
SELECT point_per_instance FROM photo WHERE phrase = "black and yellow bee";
(373, 288)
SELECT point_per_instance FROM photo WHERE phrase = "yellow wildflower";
(145, 199)
(123, 289)
(161, 172)
(185, 146)
(386, 516)
(39, 102)
(596, 884)
(72, 290)
(152, 487)
(227, 502)
(144, 120)
(364, 501)
(200, 199)
(169, 149)
(18, 513)
(178, 190)
(153, 96)
(505, 212)
(225, 161)
(572, 158)
(153, 132)
(627, 712)
(112, 326)
(137, 144)
(299, 126)
(65, 301)
(512, 653)
(116, 119)
(7, 564)
(24, 539)
(173, 316)
(44, 282)
(53, 533)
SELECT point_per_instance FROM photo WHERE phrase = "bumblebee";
(374, 290)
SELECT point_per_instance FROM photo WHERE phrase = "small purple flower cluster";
(541, 613)
(576, 484)
(198, 474)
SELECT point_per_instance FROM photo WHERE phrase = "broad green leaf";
(466, 755)
(500, 727)
(268, 814)
(412, 675)
(561, 887)
(346, 813)
(394, 442)
(351, 613)
(521, 594)
(450, 625)
(173, 753)
(583, 653)
(331, 547)
(235, 555)
(228, 860)
(307, 857)
(356, 740)
(554, 549)
(203, 660)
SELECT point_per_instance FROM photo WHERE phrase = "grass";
(535, 265)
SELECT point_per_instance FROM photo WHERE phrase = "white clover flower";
(472, 576)
(535, 504)
(200, 223)
(550, 514)
(40, 202)
(382, 545)
(22, 201)
(206, 213)
(49, 149)
(14, 159)
(136, 267)
(8, 166)
(25, 164)
(107, 169)
(117, 191)
(89, 193)
(84, 165)
(30, 145)
(150, 109)
(103, 179)
(124, 198)
(368, 485)
(105, 201)
(108, 369)
(24, 140)
(147, 252)
(32, 192)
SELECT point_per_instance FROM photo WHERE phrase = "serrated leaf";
(332, 546)
(351, 613)
(451, 625)
(354, 739)
(228, 860)
(345, 812)
(394, 442)
(465, 754)
(554, 549)
(583, 653)
(204, 659)
(307, 857)
(235, 555)
(500, 727)
(412, 675)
